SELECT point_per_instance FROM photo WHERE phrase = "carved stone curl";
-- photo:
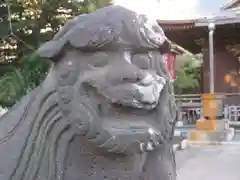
(105, 111)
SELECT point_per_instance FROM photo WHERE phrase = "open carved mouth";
(126, 124)
(129, 125)
(108, 109)
(124, 101)
(137, 133)
(142, 94)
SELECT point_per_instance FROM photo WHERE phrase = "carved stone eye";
(99, 60)
(141, 60)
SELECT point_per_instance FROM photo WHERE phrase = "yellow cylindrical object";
(209, 105)
(212, 105)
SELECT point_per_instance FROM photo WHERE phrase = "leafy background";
(26, 24)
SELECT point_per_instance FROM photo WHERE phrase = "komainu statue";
(106, 110)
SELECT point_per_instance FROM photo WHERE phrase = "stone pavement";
(209, 162)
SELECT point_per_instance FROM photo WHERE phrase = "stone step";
(212, 136)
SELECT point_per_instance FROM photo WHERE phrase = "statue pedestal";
(206, 125)
(213, 128)
(211, 131)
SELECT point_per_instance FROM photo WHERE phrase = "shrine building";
(193, 35)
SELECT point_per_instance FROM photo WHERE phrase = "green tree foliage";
(25, 25)
(188, 74)
(20, 80)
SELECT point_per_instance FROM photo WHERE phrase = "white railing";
(190, 107)
(232, 112)
(188, 99)
(190, 116)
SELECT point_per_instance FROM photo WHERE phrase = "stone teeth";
(147, 80)
(150, 131)
(150, 147)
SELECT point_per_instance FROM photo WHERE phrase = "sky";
(174, 9)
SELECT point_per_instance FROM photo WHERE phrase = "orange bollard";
(211, 110)
(210, 106)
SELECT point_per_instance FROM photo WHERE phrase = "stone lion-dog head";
(109, 86)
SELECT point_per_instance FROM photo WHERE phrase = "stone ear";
(68, 25)
(51, 49)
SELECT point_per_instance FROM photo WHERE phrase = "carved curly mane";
(48, 131)
(46, 126)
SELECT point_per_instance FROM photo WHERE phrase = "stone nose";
(129, 74)
(150, 89)
(147, 80)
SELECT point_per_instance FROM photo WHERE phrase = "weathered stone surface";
(105, 111)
